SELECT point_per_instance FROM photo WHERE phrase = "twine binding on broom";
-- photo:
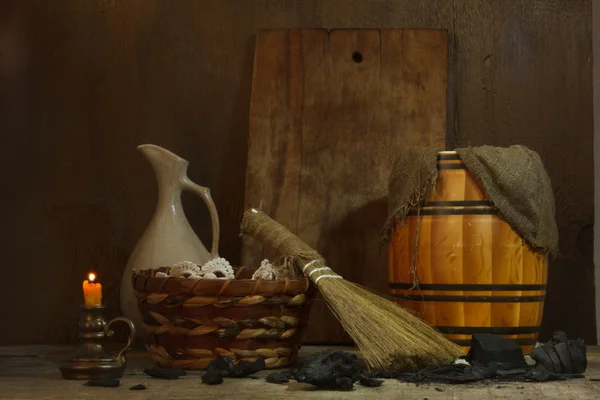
(333, 275)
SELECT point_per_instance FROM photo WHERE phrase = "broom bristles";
(388, 335)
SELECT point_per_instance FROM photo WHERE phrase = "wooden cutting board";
(329, 111)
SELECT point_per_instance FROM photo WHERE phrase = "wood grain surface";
(31, 372)
(329, 111)
(83, 83)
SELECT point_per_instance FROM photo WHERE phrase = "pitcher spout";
(158, 154)
(168, 166)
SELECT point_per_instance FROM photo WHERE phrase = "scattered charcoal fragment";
(103, 383)
(457, 373)
(245, 368)
(213, 375)
(382, 374)
(537, 374)
(557, 366)
(499, 387)
(594, 379)
(492, 359)
(344, 383)
(165, 373)
(409, 377)
(561, 355)
(280, 377)
(559, 337)
(138, 387)
(578, 352)
(541, 356)
(565, 358)
(511, 372)
(563, 377)
(330, 369)
(369, 382)
(242, 369)
(224, 366)
(495, 351)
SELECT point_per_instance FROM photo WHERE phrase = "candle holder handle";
(92, 361)
(109, 332)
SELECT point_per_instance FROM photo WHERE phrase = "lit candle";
(92, 291)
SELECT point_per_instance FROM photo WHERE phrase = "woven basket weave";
(191, 322)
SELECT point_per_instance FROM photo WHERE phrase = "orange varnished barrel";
(475, 273)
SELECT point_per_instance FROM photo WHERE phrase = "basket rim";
(144, 281)
(148, 273)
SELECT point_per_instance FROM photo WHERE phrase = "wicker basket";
(191, 322)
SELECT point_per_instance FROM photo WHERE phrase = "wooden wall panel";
(82, 83)
(525, 77)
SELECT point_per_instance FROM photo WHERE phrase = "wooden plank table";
(30, 372)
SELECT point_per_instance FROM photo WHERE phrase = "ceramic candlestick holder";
(91, 361)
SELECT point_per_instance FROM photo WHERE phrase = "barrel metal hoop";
(519, 341)
(470, 299)
(467, 287)
(496, 330)
(452, 211)
(442, 167)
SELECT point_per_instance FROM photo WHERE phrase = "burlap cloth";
(514, 177)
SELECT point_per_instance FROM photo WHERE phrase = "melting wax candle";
(92, 291)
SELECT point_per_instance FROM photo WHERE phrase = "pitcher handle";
(204, 193)
(109, 332)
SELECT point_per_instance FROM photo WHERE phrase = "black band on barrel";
(470, 299)
(496, 330)
(448, 157)
(466, 287)
(519, 341)
(461, 203)
(441, 167)
(455, 211)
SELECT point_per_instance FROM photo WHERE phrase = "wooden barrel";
(475, 273)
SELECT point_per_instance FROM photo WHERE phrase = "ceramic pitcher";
(169, 238)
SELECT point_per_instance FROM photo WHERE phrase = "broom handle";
(271, 233)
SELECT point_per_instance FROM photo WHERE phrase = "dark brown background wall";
(84, 82)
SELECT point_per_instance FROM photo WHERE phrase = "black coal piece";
(138, 387)
(212, 376)
(368, 381)
(280, 377)
(224, 366)
(458, 373)
(330, 369)
(489, 350)
(242, 369)
(561, 355)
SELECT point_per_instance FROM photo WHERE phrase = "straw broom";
(388, 336)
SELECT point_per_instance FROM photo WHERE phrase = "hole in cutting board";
(357, 57)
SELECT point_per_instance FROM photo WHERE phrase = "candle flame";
(92, 277)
